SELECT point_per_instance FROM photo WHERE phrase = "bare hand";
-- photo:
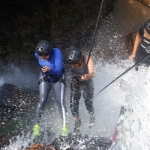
(132, 57)
(45, 69)
(84, 77)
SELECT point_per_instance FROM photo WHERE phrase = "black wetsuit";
(76, 87)
(143, 49)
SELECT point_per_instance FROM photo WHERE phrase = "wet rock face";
(147, 2)
(13, 98)
(80, 142)
(63, 22)
(77, 142)
(17, 107)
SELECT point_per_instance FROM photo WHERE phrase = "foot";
(36, 131)
(65, 131)
(136, 68)
(77, 124)
(145, 65)
(92, 120)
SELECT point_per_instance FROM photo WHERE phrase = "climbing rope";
(95, 30)
(135, 65)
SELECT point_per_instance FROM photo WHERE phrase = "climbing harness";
(55, 78)
(47, 77)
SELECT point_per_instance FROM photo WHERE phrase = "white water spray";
(131, 90)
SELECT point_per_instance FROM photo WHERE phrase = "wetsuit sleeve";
(141, 31)
(57, 69)
(36, 55)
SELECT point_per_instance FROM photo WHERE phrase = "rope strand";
(136, 64)
(95, 30)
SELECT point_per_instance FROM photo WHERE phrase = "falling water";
(130, 91)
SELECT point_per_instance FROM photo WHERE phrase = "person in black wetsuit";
(141, 47)
(81, 80)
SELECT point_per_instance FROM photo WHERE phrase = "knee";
(88, 95)
(74, 111)
(75, 95)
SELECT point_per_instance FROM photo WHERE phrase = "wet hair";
(147, 26)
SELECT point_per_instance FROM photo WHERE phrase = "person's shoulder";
(56, 49)
(87, 56)
(36, 55)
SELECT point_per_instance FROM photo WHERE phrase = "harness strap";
(46, 79)
(63, 81)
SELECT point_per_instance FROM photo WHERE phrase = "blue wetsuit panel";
(54, 62)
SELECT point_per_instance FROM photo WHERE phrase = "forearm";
(89, 76)
(58, 62)
(57, 70)
(136, 44)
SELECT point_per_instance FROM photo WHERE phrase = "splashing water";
(133, 129)
(131, 91)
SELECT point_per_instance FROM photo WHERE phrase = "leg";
(74, 103)
(44, 89)
(75, 95)
(88, 96)
(59, 89)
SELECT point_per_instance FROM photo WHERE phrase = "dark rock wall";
(64, 22)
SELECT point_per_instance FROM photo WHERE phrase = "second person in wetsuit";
(81, 80)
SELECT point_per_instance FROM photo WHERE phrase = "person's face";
(146, 34)
(77, 65)
(44, 56)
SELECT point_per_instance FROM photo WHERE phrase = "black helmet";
(74, 57)
(147, 26)
(43, 47)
